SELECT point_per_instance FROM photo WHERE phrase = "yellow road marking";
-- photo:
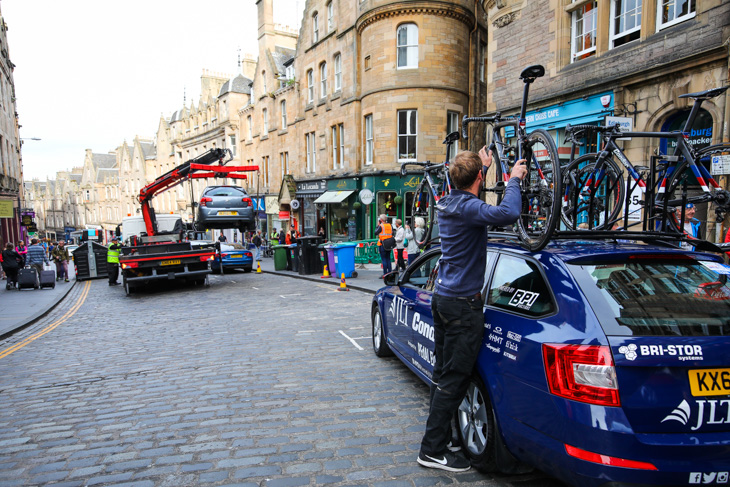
(52, 326)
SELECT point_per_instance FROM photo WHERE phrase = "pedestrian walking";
(386, 242)
(282, 237)
(222, 238)
(412, 247)
(400, 237)
(457, 304)
(256, 240)
(112, 261)
(11, 263)
(61, 257)
(691, 226)
(22, 249)
(36, 256)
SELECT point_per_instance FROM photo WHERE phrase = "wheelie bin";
(280, 258)
(293, 254)
(330, 251)
(345, 259)
(309, 260)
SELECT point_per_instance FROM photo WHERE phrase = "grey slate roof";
(239, 84)
(280, 56)
(149, 150)
(103, 160)
(105, 172)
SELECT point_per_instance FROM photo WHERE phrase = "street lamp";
(22, 139)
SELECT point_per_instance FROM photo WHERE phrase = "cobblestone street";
(255, 380)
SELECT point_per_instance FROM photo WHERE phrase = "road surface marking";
(351, 340)
(52, 326)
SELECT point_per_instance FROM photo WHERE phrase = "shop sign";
(591, 109)
(284, 215)
(625, 124)
(26, 220)
(720, 164)
(311, 187)
(6, 209)
(259, 204)
(272, 205)
(366, 196)
(32, 228)
(342, 185)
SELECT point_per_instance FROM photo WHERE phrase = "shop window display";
(386, 203)
(338, 217)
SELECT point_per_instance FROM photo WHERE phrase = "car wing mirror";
(391, 279)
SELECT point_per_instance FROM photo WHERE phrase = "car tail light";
(247, 201)
(248, 254)
(203, 258)
(204, 200)
(582, 373)
(130, 265)
(606, 460)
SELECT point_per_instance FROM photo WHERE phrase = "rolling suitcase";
(27, 278)
(48, 279)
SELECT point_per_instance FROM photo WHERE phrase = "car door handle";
(410, 305)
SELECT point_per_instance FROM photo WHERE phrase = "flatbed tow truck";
(169, 255)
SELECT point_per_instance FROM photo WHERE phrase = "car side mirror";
(391, 279)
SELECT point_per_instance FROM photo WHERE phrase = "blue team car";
(232, 256)
(602, 363)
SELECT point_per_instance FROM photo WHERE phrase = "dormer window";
(315, 27)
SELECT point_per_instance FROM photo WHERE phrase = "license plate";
(170, 262)
(235, 256)
(228, 213)
(709, 382)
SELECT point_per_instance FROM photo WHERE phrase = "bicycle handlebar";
(575, 132)
(427, 166)
(467, 120)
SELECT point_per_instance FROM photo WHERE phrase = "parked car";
(226, 207)
(233, 256)
(71, 249)
(601, 363)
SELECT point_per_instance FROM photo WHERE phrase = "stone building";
(614, 58)
(11, 171)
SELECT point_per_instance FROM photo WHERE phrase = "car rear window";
(655, 296)
(227, 191)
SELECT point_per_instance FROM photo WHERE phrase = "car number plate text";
(227, 213)
(170, 262)
(709, 382)
(236, 256)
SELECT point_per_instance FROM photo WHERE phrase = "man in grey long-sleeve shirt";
(36, 256)
(457, 305)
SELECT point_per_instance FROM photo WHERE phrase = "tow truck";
(155, 255)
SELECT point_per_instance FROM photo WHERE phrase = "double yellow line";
(52, 326)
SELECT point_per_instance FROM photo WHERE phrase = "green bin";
(280, 257)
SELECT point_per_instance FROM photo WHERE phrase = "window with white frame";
(310, 86)
(265, 174)
(284, 160)
(290, 72)
(323, 80)
(265, 120)
(625, 21)
(452, 125)
(407, 45)
(311, 153)
(330, 17)
(249, 122)
(263, 81)
(482, 61)
(341, 129)
(583, 32)
(407, 134)
(315, 27)
(369, 141)
(283, 114)
(670, 12)
(338, 72)
(232, 143)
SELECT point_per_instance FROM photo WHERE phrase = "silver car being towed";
(226, 207)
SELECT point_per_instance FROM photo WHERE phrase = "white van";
(134, 225)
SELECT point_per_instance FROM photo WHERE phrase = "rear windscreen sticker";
(523, 299)
(681, 352)
(629, 351)
(716, 267)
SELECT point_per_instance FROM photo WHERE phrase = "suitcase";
(27, 278)
(48, 279)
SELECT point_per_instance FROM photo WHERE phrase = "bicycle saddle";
(532, 72)
(452, 137)
(707, 94)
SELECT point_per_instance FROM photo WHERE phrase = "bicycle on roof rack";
(541, 187)
(594, 193)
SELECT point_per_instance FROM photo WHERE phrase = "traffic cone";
(343, 285)
(326, 273)
(258, 267)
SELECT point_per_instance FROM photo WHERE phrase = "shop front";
(9, 221)
(341, 210)
(388, 194)
(310, 217)
(271, 205)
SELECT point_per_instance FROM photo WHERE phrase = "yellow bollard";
(326, 273)
(343, 285)
(258, 267)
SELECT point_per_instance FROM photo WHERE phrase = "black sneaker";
(447, 461)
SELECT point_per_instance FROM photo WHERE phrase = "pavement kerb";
(334, 282)
(32, 319)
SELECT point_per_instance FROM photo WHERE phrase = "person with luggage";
(11, 263)
(61, 257)
(36, 257)
(22, 250)
(256, 240)
(112, 261)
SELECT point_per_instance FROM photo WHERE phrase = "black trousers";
(458, 330)
(113, 270)
(401, 263)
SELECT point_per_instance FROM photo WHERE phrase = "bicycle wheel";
(711, 150)
(683, 188)
(494, 181)
(423, 212)
(600, 205)
(540, 191)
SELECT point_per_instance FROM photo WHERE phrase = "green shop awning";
(333, 197)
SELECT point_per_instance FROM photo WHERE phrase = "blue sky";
(91, 74)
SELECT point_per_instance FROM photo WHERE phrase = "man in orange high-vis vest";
(383, 231)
